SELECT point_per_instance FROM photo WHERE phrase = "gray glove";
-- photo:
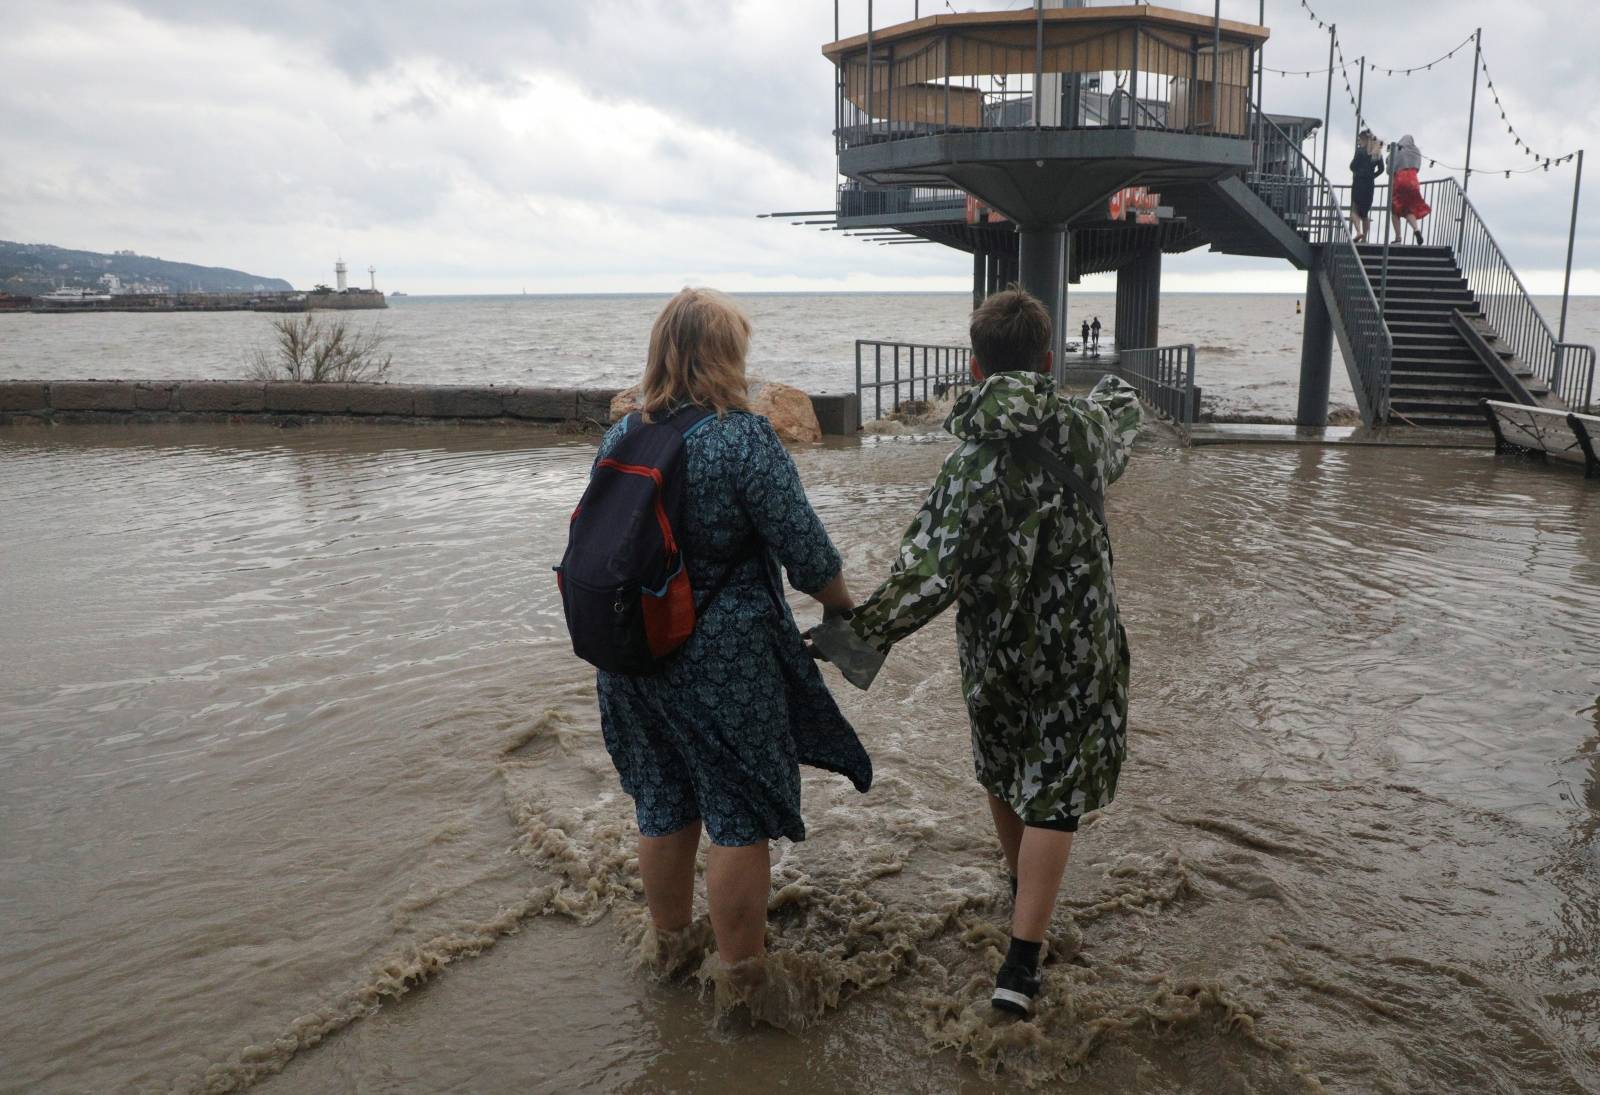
(834, 640)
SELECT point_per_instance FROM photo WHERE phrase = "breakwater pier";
(42, 402)
(333, 300)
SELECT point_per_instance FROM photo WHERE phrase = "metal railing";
(1014, 73)
(1575, 364)
(921, 371)
(1455, 225)
(1279, 172)
(1299, 192)
(1164, 376)
(858, 201)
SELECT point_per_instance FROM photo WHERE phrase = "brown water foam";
(890, 915)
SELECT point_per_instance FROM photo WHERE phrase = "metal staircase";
(1436, 378)
(1427, 332)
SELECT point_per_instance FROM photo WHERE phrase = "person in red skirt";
(1404, 163)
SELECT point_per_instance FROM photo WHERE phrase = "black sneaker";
(1014, 990)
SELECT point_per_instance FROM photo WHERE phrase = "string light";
(1373, 66)
(1542, 163)
(1527, 150)
(1344, 73)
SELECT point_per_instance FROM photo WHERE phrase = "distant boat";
(72, 298)
(398, 293)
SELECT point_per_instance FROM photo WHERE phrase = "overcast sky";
(626, 145)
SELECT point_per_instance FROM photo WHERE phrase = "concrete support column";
(1139, 301)
(1042, 271)
(980, 278)
(1316, 356)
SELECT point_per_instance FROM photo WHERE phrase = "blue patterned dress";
(721, 733)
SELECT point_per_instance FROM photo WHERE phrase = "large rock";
(787, 408)
(624, 403)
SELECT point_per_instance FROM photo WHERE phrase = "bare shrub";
(317, 350)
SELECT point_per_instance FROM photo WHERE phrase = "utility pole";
(1361, 95)
(838, 94)
(1472, 110)
(1216, 68)
(1261, 78)
(1327, 103)
(1572, 232)
(1038, 63)
(872, 77)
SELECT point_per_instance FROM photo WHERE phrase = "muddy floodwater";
(301, 788)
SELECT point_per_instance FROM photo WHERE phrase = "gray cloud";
(621, 143)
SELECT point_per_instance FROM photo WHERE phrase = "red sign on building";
(1138, 200)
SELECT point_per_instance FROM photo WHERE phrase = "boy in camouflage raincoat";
(1044, 658)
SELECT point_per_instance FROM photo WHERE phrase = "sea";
(1247, 346)
(303, 791)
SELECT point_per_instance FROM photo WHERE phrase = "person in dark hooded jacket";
(1364, 171)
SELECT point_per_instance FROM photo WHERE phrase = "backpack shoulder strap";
(687, 419)
(1031, 447)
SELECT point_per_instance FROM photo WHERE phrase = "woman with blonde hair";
(1364, 171)
(714, 741)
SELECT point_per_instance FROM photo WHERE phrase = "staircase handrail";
(1138, 104)
(1577, 383)
(1288, 142)
(1360, 312)
(1517, 321)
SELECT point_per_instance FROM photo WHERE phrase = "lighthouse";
(372, 275)
(339, 273)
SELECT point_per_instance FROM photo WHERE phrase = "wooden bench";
(1574, 438)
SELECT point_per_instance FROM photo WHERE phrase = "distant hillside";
(27, 269)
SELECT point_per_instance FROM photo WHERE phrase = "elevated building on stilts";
(1062, 140)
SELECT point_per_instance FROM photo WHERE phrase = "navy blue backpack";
(624, 589)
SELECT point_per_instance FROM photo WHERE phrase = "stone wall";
(252, 400)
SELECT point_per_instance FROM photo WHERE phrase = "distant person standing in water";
(1085, 338)
(715, 740)
(1013, 533)
(1364, 171)
(1405, 160)
(1094, 332)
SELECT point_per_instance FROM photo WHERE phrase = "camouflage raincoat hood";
(1003, 406)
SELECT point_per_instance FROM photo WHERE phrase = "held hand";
(833, 640)
(828, 613)
(811, 647)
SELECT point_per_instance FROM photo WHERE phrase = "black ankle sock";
(1024, 954)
